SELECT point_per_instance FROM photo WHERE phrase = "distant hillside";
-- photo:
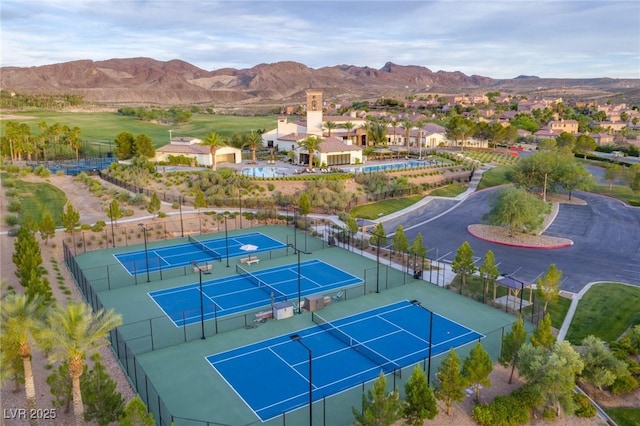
(145, 81)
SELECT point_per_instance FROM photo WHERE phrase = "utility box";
(314, 302)
(282, 310)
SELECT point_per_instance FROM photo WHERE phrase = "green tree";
(22, 323)
(135, 414)
(379, 237)
(451, 383)
(614, 172)
(311, 144)
(400, 242)
(213, 141)
(516, 209)
(74, 333)
(548, 285)
(47, 227)
(552, 372)
(511, 344)
(601, 367)
(459, 128)
(254, 141)
(418, 249)
(567, 140)
(584, 145)
(154, 204)
(488, 271)
(70, 218)
(304, 207)
(379, 407)
(543, 334)
(419, 401)
(114, 212)
(574, 176)
(476, 369)
(330, 125)
(547, 145)
(463, 264)
(143, 146)
(199, 201)
(125, 147)
(73, 138)
(26, 254)
(103, 403)
(60, 387)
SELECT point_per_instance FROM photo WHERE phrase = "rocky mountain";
(145, 81)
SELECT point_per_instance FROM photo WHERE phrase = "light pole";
(298, 338)
(226, 239)
(195, 264)
(113, 237)
(417, 303)
(521, 287)
(299, 286)
(240, 204)
(146, 251)
(181, 222)
(377, 262)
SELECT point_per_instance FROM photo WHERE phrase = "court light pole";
(240, 204)
(298, 338)
(299, 283)
(181, 222)
(417, 303)
(146, 250)
(226, 238)
(195, 264)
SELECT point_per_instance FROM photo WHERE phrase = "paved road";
(606, 235)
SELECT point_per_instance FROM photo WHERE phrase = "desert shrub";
(14, 206)
(42, 171)
(584, 408)
(504, 410)
(98, 226)
(11, 220)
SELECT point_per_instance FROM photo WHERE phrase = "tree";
(566, 139)
(47, 227)
(349, 126)
(601, 367)
(552, 372)
(60, 387)
(516, 209)
(418, 249)
(304, 207)
(584, 144)
(125, 147)
(511, 344)
(488, 271)
(459, 128)
(376, 132)
(311, 144)
(463, 264)
(73, 138)
(70, 218)
(135, 414)
(548, 285)
(378, 238)
(103, 403)
(547, 145)
(199, 201)
(330, 125)
(451, 384)
(154, 204)
(213, 141)
(614, 172)
(74, 333)
(476, 369)
(22, 322)
(26, 254)
(143, 146)
(419, 401)
(400, 242)
(114, 213)
(254, 140)
(543, 334)
(574, 176)
(379, 408)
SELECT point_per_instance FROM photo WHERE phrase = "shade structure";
(248, 247)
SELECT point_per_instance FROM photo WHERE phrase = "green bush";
(624, 384)
(42, 171)
(85, 227)
(14, 206)
(9, 183)
(584, 408)
(504, 410)
(11, 220)
(98, 226)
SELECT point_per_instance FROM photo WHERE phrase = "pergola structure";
(514, 287)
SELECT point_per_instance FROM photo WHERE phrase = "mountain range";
(146, 81)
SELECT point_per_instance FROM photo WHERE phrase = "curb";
(548, 247)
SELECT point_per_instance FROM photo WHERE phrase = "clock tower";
(314, 112)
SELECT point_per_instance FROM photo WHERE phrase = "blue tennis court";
(272, 376)
(242, 292)
(135, 262)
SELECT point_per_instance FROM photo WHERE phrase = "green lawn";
(605, 311)
(382, 208)
(494, 177)
(104, 126)
(620, 192)
(38, 198)
(624, 416)
(452, 190)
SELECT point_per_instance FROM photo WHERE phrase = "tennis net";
(277, 294)
(201, 246)
(387, 365)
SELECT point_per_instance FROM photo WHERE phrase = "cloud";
(499, 39)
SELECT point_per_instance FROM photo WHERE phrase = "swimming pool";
(264, 172)
(386, 167)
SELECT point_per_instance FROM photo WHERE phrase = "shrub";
(584, 408)
(11, 220)
(98, 226)
(271, 186)
(42, 171)
(14, 206)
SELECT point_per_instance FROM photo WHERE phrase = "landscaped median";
(503, 236)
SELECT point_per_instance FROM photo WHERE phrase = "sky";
(498, 39)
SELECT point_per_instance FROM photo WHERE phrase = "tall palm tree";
(349, 126)
(407, 124)
(23, 320)
(254, 140)
(330, 125)
(213, 141)
(311, 144)
(73, 137)
(76, 333)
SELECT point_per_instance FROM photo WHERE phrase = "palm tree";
(254, 140)
(73, 137)
(22, 320)
(76, 333)
(311, 144)
(330, 125)
(407, 124)
(349, 126)
(213, 141)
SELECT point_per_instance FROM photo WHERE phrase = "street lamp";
(226, 238)
(146, 251)
(521, 288)
(195, 264)
(298, 338)
(181, 222)
(417, 303)
(240, 204)
(299, 287)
